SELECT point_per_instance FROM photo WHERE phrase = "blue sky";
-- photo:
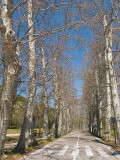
(77, 49)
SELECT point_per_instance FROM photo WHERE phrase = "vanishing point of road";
(79, 145)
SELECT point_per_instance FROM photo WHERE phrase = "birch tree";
(10, 51)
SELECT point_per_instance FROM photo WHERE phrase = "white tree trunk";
(64, 118)
(28, 117)
(45, 101)
(56, 91)
(10, 51)
(110, 66)
(100, 95)
(108, 109)
(90, 122)
(114, 89)
(68, 119)
(60, 123)
(100, 113)
(108, 91)
(99, 105)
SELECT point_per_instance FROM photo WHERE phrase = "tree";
(17, 113)
(103, 30)
(25, 132)
(45, 101)
(56, 91)
(10, 51)
(39, 115)
(108, 91)
(112, 75)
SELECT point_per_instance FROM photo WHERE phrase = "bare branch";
(112, 20)
(118, 83)
(23, 2)
(47, 8)
(116, 29)
(0, 27)
(2, 59)
(67, 26)
(118, 51)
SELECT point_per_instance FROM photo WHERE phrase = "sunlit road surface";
(13, 135)
(79, 145)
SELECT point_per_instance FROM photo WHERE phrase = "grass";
(14, 156)
(13, 131)
(112, 142)
(11, 139)
(14, 139)
(113, 145)
(11, 156)
(16, 131)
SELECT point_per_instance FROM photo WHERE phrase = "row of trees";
(38, 39)
(101, 76)
(35, 41)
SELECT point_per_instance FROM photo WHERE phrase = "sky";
(74, 49)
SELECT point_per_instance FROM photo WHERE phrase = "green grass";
(113, 145)
(14, 156)
(14, 139)
(13, 131)
(112, 133)
(112, 142)
(11, 156)
(11, 139)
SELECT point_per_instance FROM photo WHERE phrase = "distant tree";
(39, 115)
(102, 18)
(51, 118)
(17, 115)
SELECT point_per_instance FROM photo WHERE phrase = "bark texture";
(112, 79)
(108, 91)
(10, 51)
(64, 118)
(99, 107)
(68, 119)
(56, 92)
(45, 101)
(28, 117)
(60, 124)
(114, 89)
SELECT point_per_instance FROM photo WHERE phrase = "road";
(79, 145)
(12, 135)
